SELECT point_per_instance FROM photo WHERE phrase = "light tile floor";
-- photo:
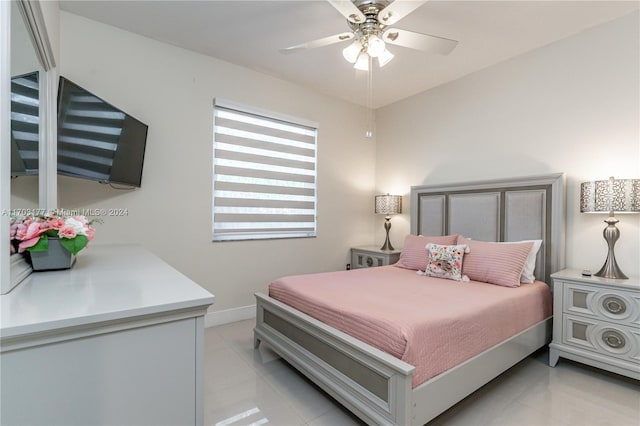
(244, 386)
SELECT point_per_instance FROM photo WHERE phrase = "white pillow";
(527, 276)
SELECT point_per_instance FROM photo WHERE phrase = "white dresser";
(596, 321)
(117, 339)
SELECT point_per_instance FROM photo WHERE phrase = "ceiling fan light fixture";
(362, 63)
(352, 51)
(375, 46)
(385, 57)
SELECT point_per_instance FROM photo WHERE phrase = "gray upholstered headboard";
(498, 210)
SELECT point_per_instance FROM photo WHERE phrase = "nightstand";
(596, 321)
(370, 256)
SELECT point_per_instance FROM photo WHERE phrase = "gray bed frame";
(376, 386)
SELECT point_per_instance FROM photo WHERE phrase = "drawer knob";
(613, 339)
(615, 305)
(369, 261)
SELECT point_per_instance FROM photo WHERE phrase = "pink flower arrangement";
(32, 233)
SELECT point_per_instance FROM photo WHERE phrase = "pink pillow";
(414, 251)
(495, 263)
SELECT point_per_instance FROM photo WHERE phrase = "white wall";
(172, 91)
(51, 16)
(23, 54)
(572, 107)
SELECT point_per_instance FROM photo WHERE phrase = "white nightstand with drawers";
(371, 256)
(596, 321)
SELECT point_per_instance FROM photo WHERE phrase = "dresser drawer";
(602, 337)
(366, 260)
(372, 256)
(602, 303)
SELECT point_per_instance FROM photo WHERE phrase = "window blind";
(264, 176)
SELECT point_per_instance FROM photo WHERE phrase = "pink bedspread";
(431, 323)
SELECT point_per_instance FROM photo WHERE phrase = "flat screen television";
(96, 140)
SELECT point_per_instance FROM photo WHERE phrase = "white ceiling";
(249, 33)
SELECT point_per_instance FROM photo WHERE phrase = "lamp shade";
(612, 195)
(362, 63)
(388, 204)
(352, 51)
(384, 58)
(375, 46)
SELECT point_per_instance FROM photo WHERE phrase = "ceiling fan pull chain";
(370, 115)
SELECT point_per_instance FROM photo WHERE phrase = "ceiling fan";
(369, 21)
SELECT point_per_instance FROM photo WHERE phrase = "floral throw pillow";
(446, 261)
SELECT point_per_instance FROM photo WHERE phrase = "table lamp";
(388, 205)
(610, 196)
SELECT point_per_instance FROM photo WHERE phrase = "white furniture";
(117, 339)
(596, 322)
(376, 386)
(371, 256)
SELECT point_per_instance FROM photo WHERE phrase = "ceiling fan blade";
(398, 10)
(424, 42)
(321, 42)
(348, 10)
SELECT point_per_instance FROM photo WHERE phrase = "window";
(264, 174)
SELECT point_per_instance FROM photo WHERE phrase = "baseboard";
(227, 316)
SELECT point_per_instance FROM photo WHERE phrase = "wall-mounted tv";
(96, 140)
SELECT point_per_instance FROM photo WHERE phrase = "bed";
(381, 388)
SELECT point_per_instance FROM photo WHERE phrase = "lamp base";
(387, 244)
(610, 269)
